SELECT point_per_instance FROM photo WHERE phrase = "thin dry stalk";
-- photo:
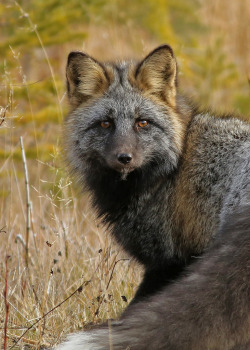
(6, 303)
(28, 203)
(107, 286)
(3, 114)
(110, 335)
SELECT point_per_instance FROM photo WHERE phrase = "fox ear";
(157, 73)
(86, 78)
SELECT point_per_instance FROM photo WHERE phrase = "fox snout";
(123, 161)
(124, 158)
(123, 154)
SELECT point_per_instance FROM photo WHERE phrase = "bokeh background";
(53, 246)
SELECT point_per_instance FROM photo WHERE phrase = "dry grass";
(68, 253)
(66, 247)
(66, 250)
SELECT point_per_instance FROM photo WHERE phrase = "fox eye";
(105, 124)
(142, 123)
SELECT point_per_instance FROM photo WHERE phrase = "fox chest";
(143, 228)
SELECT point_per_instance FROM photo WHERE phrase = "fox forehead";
(122, 98)
(121, 105)
(126, 103)
(120, 74)
(121, 89)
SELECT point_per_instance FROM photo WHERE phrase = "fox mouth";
(125, 172)
(122, 169)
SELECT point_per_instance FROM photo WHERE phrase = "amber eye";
(142, 123)
(106, 124)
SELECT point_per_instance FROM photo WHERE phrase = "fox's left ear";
(157, 74)
(86, 78)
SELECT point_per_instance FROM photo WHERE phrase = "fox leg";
(155, 279)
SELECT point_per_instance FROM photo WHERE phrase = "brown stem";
(6, 302)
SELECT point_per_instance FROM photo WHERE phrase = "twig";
(65, 240)
(6, 303)
(28, 203)
(2, 230)
(35, 343)
(25, 84)
(3, 114)
(19, 238)
(78, 290)
(110, 335)
(110, 278)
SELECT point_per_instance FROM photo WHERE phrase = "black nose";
(124, 158)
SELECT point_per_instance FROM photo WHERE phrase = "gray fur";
(189, 172)
(164, 206)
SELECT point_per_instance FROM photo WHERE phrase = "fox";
(208, 308)
(161, 173)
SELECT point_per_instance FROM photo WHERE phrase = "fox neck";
(112, 195)
(128, 208)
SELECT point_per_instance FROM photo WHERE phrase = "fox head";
(124, 116)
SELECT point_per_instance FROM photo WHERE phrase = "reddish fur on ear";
(157, 74)
(86, 78)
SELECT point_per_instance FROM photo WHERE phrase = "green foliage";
(166, 20)
(35, 35)
(214, 67)
(185, 21)
(45, 153)
(50, 18)
(242, 103)
(155, 18)
(212, 72)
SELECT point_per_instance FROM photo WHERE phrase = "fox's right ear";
(86, 78)
(157, 74)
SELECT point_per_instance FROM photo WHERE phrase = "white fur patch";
(84, 341)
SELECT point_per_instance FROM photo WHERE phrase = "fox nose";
(124, 158)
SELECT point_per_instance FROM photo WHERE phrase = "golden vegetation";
(65, 248)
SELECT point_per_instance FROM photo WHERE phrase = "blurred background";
(53, 245)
